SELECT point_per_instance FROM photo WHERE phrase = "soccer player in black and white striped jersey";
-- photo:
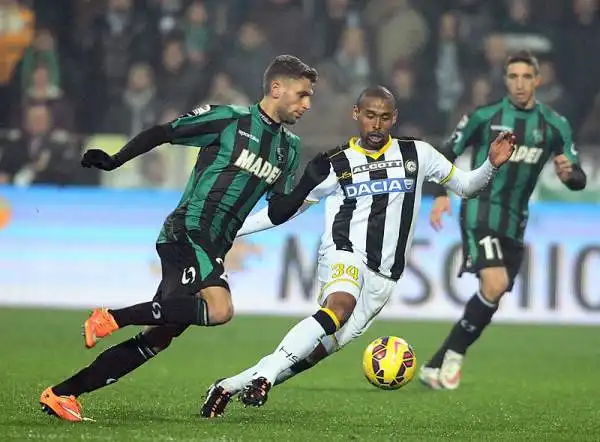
(373, 194)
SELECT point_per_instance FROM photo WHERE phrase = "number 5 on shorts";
(491, 248)
(339, 269)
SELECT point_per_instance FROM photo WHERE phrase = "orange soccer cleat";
(100, 324)
(63, 407)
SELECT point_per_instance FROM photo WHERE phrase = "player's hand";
(318, 168)
(502, 149)
(563, 167)
(440, 205)
(99, 159)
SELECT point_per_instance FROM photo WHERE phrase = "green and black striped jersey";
(243, 155)
(540, 133)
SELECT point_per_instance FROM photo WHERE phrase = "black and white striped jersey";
(373, 199)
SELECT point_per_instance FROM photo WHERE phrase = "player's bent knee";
(158, 338)
(342, 304)
(218, 304)
(494, 283)
(337, 310)
(220, 314)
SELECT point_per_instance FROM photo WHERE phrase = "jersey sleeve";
(285, 183)
(562, 143)
(201, 126)
(327, 187)
(465, 134)
(438, 168)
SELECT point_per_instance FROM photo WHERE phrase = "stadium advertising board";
(85, 247)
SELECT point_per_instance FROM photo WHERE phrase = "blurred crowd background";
(77, 73)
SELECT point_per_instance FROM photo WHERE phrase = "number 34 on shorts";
(339, 270)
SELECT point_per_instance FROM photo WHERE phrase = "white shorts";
(341, 271)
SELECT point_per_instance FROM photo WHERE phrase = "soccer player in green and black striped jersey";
(245, 153)
(493, 224)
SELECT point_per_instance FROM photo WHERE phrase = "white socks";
(236, 383)
(295, 346)
(298, 344)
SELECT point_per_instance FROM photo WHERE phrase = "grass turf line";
(519, 383)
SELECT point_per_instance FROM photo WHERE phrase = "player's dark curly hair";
(288, 66)
(523, 57)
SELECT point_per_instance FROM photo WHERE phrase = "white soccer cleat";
(431, 377)
(450, 370)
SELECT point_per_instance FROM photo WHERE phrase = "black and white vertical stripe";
(380, 227)
(408, 214)
(376, 222)
(341, 223)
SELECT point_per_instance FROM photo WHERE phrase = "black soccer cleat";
(256, 393)
(216, 401)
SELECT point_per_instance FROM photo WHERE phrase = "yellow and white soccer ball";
(389, 363)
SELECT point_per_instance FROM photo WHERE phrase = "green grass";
(520, 383)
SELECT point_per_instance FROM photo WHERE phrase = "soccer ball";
(389, 363)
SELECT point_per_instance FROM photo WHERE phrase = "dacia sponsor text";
(378, 187)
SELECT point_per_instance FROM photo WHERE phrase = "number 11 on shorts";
(491, 248)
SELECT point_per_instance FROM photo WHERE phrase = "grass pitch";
(520, 383)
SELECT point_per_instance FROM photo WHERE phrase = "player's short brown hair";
(287, 66)
(523, 57)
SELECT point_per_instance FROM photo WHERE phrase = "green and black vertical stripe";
(219, 195)
(503, 206)
(253, 188)
(476, 211)
(202, 131)
(504, 185)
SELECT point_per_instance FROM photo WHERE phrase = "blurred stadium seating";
(109, 68)
(94, 73)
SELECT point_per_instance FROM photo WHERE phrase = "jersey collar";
(508, 102)
(355, 145)
(268, 121)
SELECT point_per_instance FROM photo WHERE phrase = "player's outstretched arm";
(469, 184)
(260, 220)
(311, 188)
(138, 145)
(283, 207)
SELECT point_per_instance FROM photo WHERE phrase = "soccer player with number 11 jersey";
(493, 224)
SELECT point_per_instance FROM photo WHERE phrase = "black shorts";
(187, 269)
(483, 248)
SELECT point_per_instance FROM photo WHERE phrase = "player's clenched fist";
(502, 149)
(99, 159)
(318, 168)
(563, 167)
